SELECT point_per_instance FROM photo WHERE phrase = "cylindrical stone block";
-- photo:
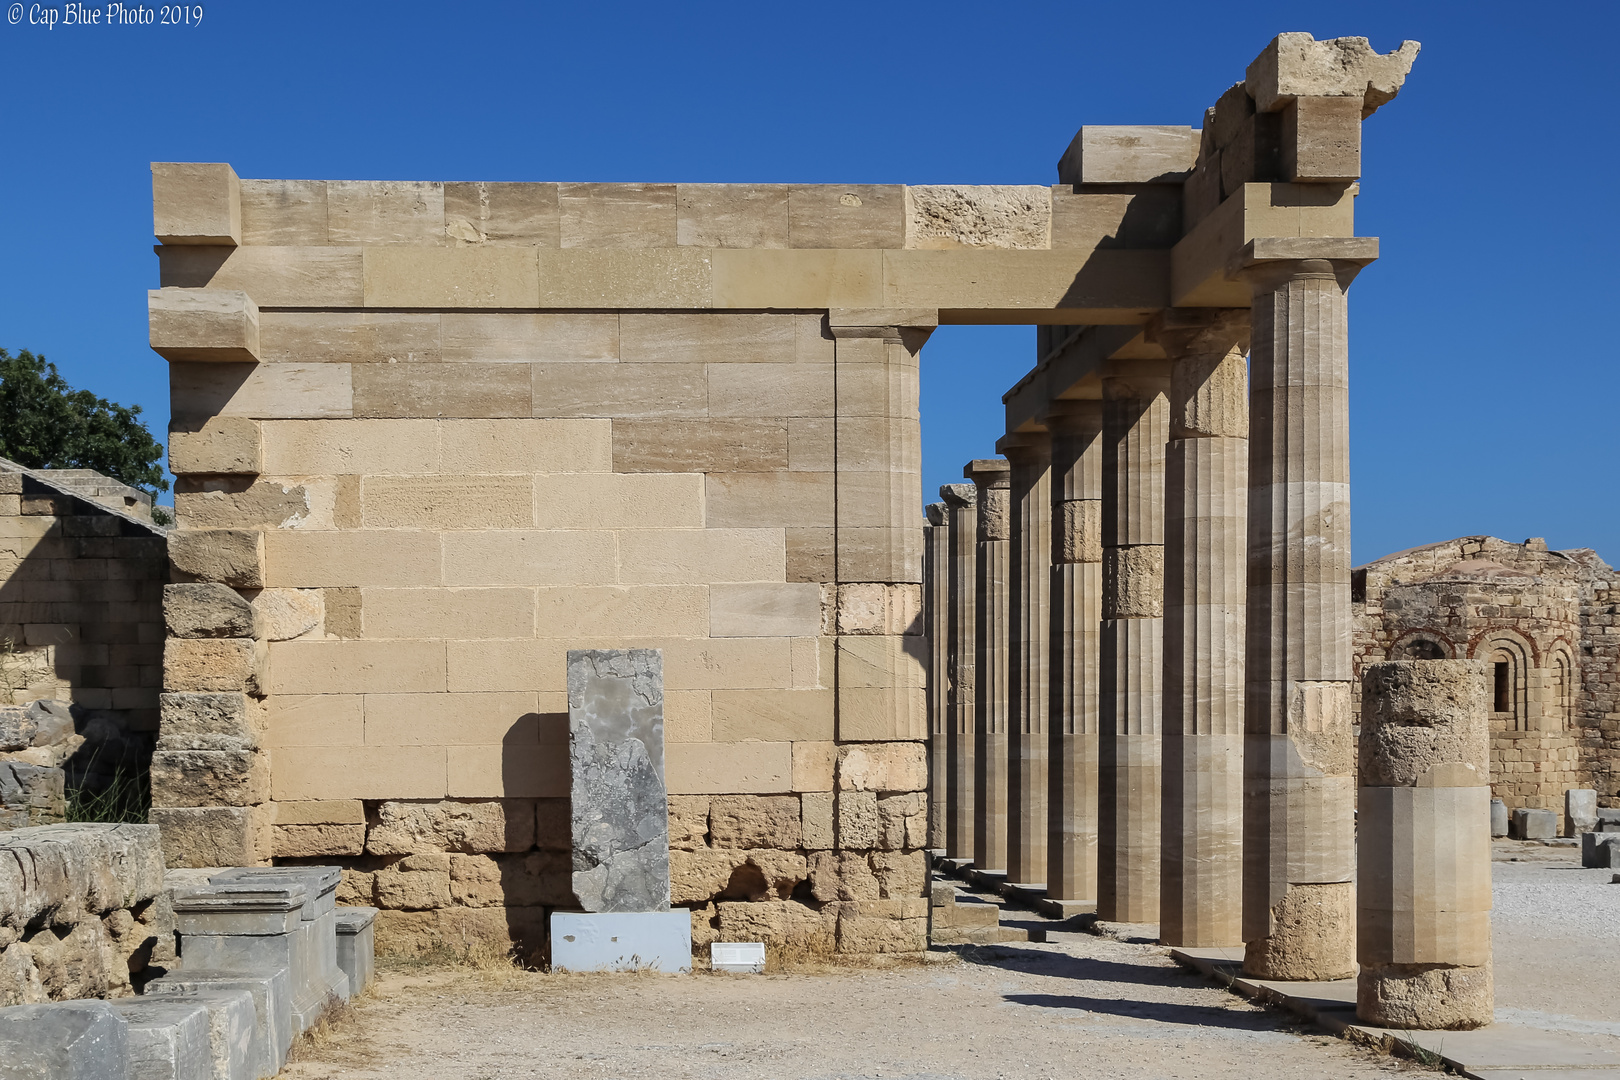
(1423, 907)
(962, 501)
(1029, 629)
(1298, 802)
(1071, 846)
(991, 702)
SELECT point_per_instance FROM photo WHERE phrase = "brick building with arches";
(1546, 623)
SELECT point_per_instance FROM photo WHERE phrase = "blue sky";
(1483, 351)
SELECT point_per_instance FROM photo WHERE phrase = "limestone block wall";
(1541, 615)
(80, 616)
(83, 912)
(397, 513)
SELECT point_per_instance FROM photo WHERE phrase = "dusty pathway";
(1093, 1008)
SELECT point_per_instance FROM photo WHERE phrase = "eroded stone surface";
(620, 809)
(1427, 997)
(950, 215)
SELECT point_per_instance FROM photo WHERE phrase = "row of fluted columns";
(1144, 636)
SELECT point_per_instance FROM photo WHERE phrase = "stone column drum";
(1071, 844)
(990, 704)
(936, 604)
(962, 503)
(1298, 816)
(1029, 652)
(1136, 420)
(1423, 906)
(1206, 488)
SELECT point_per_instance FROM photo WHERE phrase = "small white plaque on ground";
(740, 956)
(621, 941)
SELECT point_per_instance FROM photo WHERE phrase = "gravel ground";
(1556, 935)
(1094, 1008)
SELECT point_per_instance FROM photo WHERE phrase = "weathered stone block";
(1133, 582)
(213, 835)
(783, 924)
(754, 821)
(880, 926)
(417, 883)
(1580, 811)
(168, 1037)
(203, 325)
(198, 721)
(897, 766)
(406, 828)
(1420, 715)
(214, 665)
(1129, 154)
(215, 446)
(688, 822)
(1528, 823)
(196, 203)
(356, 946)
(843, 875)
(1321, 140)
(207, 610)
(1499, 818)
(232, 557)
(1600, 849)
(619, 800)
(859, 826)
(902, 821)
(952, 216)
(73, 1040)
(1297, 65)
(209, 778)
(816, 820)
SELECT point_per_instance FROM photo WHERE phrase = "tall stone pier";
(1206, 473)
(1423, 910)
(993, 479)
(961, 501)
(1029, 647)
(1076, 602)
(1299, 815)
(1136, 416)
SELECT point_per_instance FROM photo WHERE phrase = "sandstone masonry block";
(207, 325)
(213, 835)
(754, 821)
(218, 445)
(207, 610)
(214, 665)
(887, 767)
(196, 203)
(405, 828)
(232, 557)
(205, 721)
(209, 778)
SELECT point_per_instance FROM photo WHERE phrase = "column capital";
(1127, 380)
(1074, 418)
(880, 322)
(936, 513)
(1268, 261)
(959, 496)
(989, 472)
(1025, 447)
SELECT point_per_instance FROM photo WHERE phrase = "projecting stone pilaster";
(936, 603)
(1206, 481)
(1029, 649)
(1076, 602)
(962, 503)
(1423, 907)
(991, 704)
(1298, 813)
(1136, 415)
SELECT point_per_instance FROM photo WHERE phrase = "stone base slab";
(622, 941)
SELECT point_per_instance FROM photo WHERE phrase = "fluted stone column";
(990, 704)
(1071, 844)
(1029, 653)
(1206, 491)
(1136, 416)
(1298, 813)
(962, 504)
(1423, 904)
(936, 604)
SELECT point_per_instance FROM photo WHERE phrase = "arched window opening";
(1504, 686)
(1510, 671)
(1563, 692)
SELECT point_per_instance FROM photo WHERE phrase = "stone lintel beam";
(217, 325)
(1071, 373)
(1206, 264)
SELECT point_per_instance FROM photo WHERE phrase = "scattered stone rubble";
(35, 741)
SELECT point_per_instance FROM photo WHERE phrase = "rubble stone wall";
(83, 912)
(81, 619)
(1548, 616)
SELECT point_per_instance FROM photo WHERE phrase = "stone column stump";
(1423, 910)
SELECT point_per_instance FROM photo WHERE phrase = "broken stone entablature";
(1541, 620)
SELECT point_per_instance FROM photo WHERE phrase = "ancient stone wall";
(1543, 622)
(80, 614)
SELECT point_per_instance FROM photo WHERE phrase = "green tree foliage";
(46, 424)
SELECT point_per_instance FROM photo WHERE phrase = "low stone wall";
(839, 870)
(83, 912)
